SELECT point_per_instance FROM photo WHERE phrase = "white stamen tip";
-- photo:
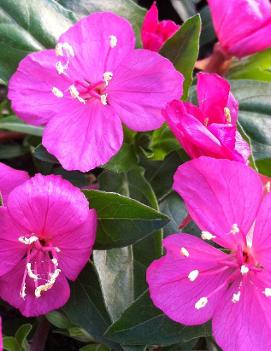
(236, 297)
(30, 273)
(60, 68)
(268, 187)
(206, 235)
(244, 269)
(202, 302)
(57, 249)
(227, 114)
(107, 77)
(23, 291)
(75, 94)
(49, 284)
(59, 50)
(69, 49)
(28, 241)
(58, 93)
(267, 292)
(104, 99)
(113, 41)
(184, 252)
(55, 261)
(192, 276)
(235, 229)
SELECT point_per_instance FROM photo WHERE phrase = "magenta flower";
(196, 282)
(47, 232)
(154, 34)
(242, 26)
(210, 129)
(84, 89)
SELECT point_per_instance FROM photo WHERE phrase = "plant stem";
(40, 336)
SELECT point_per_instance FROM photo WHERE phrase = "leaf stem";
(40, 336)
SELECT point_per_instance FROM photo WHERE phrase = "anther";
(30, 273)
(28, 241)
(227, 114)
(104, 99)
(268, 187)
(267, 292)
(206, 235)
(23, 291)
(75, 94)
(60, 68)
(107, 77)
(236, 297)
(184, 252)
(244, 269)
(234, 229)
(202, 302)
(59, 49)
(48, 285)
(113, 41)
(69, 49)
(192, 276)
(58, 93)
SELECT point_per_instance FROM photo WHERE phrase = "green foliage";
(19, 341)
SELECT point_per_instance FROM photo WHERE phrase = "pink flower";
(243, 26)
(196, 282)
(47, 232)
(210, 129)
(154, 34)
(92, 82)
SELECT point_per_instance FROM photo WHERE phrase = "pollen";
(30, 273)
(59, 49)
(268, 187)
(236, 297)
(184, 252)
(206, 235)
(68, 49)
(23, 291)
(192, 276)
(235, 229)
(28, 241)
(202, 302)
(107, 77)
(57, 92)
(267, 292)
(227, 114)
(113, 41)
(60, 68)
(48, 285)
(104, 99)
(75, 94)
(244, 269)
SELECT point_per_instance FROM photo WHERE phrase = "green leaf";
(126, 8)
(183, 49)
(256, 67)
(163, 142)
(22, 334)
(86, 308)
(27, 26)
(208, 35)
(122, 221)
(42, 154)
(255, 114)
(124, 161)
(184, 8)
(143, 324)
(14, 124)
(58, 319)
(8, 151)
(11, 344)
(264, 166)
(94, 347)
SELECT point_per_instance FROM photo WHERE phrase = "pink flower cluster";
(81, 93)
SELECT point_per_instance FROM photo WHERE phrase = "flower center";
(41, 265)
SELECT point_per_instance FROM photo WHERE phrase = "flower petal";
(48, 206)
(141, 87)
(30, 87)
(173, 292)
(9, 179)
(220, 194)
(87, 136)
(31, 306)
(247, 322)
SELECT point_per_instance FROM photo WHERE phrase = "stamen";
(192, 276)
(202, 302)
(60, 68)
(184, 252)
(227, 114)
(113, 41)
(49, 284)
(59, 50)
(30, 273)
(69, 49)
(206, 235)
(244, 269)
(236, 297)
(23, 291)
(234, 229)
(104, 99)
(268, 187)
(58, 93)
(28, 241)
(107, 77)
(75, 94)
(267, 292)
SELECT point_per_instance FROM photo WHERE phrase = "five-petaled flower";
(210, 129)
(195, 281)
(84, 89)
(243, 26)
(154, 34)
(47, 232)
